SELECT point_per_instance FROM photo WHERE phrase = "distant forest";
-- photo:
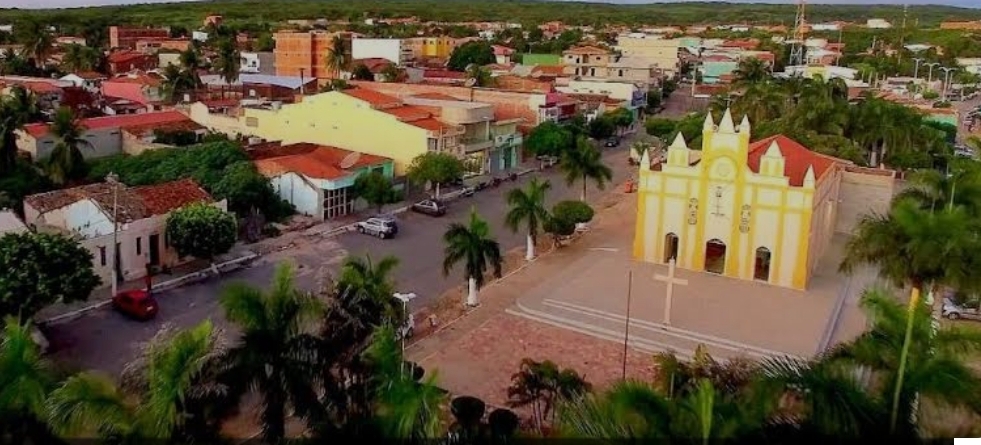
(264, 13)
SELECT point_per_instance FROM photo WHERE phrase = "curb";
(166, 285)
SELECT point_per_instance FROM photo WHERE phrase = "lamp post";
(404, 298)
(947, 72)
(932, 65)
(113, 179)
(916, 67)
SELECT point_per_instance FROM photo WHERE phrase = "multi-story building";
(123, 37)
(393, 50)
(153, 46)
(586, 61)
(663, 52)
(438, 46)
(305, 53)
(360, 120)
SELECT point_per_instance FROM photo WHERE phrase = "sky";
(39, 4)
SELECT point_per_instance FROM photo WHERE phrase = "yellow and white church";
(763, 210)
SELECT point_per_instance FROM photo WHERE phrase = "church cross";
(670, 280)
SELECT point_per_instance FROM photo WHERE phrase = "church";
(763, 210)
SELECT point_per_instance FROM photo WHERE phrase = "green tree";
(548, 139)
(16, 109)
(247, 191)
(661, 128)
(376, 189)
(622, 118)
(201, 230)
(479, 76)
(337, 57)
(934, 190)
(392, 73)
(265, 42)
(228, 61)
(435, 168)
(585, 163)
(471, 53)
(751, 70)
(79, 58)
(37, 40)
(43, 269)
(361, 72)
(66, 162)
(528, 207)
(25, 380)
(543, 384)
(274, 355)
(367, 287)
(577, 212)
(473, 245)
(602, 127)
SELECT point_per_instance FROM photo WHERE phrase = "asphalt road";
(105, 340)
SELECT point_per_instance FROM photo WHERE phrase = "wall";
(615, 90)
(388, 49)
(342, 121)
(296, 190)
(507, 104)
(663, 52)
(863, 191)
(220, 123)
(133, 145)
(101, 142)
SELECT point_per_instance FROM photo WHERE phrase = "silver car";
(954, 311)
(379, 227)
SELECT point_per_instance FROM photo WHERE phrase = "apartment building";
(586, 61)
(125, 37)
(393, 50)
(431, 47)
(305, 53)
(662, 52)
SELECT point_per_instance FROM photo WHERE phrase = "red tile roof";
(548, 71)
(430, 124)
(586, 50)
(125, 56)
(500, 50)
(443, 74)
(128, 120)
(315, 161)
(90, 75)
(408, 113)
(159, 199)
(435, 96)
(374, 64)
(797, 158)
(41, 87)
(372, 97)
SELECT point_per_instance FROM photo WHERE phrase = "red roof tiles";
(132, 203)
(311, 160)
(159, 199)
(797, 158)
(144, 119)
(373, 97)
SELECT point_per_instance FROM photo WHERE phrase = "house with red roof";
(763, 210)
(124, 61)
(317, 179)
(89, 212)
(502, 54)
(139, 87)
(358, 119)
(110, 135)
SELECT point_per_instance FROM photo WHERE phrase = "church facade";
(763, 210)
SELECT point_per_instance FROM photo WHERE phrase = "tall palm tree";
(229, 61)
(37, 41)
(528, 206)
(751, 70)
(473, 245)
(16, 109)
(275, 357)
(79, 58)
(934, 190)
(367, 288)
(337, 57)
(585, 162)
(66, 162)
(25, 379)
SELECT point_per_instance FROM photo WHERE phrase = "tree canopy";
(41, 269)
(471, 53)
(201, 230)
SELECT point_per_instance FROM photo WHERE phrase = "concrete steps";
(644, 335)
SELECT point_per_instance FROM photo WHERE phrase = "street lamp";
(916, 68)
(406, 317)
(946, 79)
(930, 73)
(113, 179)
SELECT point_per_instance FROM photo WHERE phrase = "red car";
(136, 303)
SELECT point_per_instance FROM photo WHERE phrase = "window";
(433, 144)
(252, 122)
(102, 255)
(139, 245)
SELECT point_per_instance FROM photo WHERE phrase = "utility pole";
(902, 34)
(113, 179)
(947, 72)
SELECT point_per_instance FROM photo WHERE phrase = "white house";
(392, 50)
(877, 24)
(199, 36)
(825, 27)
(86, 213)
(257, 63)
(89, 80)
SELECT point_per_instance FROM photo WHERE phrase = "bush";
(201, 230)
(930, 94)
(576, 212)
(660, 127)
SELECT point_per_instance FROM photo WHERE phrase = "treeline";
(523, 11)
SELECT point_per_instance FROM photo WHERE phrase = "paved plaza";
(570, 307)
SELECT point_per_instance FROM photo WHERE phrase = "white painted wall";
(389, 49)
(300, 192)
(615, 90)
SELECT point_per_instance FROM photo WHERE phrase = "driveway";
(105, 340)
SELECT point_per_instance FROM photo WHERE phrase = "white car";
(954, 311)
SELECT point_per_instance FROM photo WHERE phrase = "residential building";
(153, 46)
(877, 24)
(70, 40)
(129, 60)
(630, 96)
(431, 47)
(87, 213)
(165, 59)
(317, 179)
(89, 80)
(502, 54)
(358, 119)
(257, 63)
(634, 69)
(375, 65)
(964, 25)
(393, 50)
(833, 26)
(142, 88)
(10, 223)
(48, 92)
(541, 59)
(111, 135)
(764, 211)
(558, 107)
(121, 37)
(663, 52)
(263, 86)
(586, 61)
(199, 36)
(304, 54)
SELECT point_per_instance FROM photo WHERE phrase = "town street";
(105, 340)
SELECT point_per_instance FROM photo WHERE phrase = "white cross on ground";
(671, 280)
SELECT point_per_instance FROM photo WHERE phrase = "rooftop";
(159, 199)
(159, 118)
(797, 158)
(290, 82)
(587, 49)
(311, 160)
(133, 203)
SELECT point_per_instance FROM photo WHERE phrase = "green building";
(530, 59)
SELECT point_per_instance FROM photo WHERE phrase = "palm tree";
(79, 58)
(16, 109)
(229, 61)
(25, 379)
(479, 76)
(66, 162)
(472, 244)
(936, 191)
(366, 289)
(528, 206)
(585, 162)
(751, 70)
(337, 58)
(275, 356)
(37, 41)
(543, 384)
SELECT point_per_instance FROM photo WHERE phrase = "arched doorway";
(761, 269)
(670, 247)
(715, 256)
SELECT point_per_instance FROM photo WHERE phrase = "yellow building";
(360, 120)
(436, 46)
(755, 211)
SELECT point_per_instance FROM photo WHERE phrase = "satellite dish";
(470, 82)
(350, 160)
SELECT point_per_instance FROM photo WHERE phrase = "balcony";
(471, 145)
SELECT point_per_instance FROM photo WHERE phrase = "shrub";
(576, 212)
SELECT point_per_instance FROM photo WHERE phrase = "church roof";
(797, 158)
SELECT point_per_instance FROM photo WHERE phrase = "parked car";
(468, 191)
(391, 219)
(380, 227)
(430, 207)
(136, 303)
(954, 311)
(612, 142)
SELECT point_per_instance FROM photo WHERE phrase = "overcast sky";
(39, 4)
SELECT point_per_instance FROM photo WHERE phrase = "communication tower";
(800, 30)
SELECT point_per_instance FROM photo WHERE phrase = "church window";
(692, 211)
(715, 256)
(670, 247)
(761, 269)
(744, 219)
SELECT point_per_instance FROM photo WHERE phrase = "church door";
(715, 256)
(761, 271)
(670, 247)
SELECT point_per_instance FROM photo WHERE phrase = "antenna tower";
(800, 25)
